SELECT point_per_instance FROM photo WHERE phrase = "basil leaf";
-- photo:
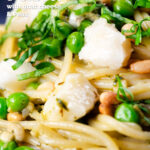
(26, 55)
(142, 3)
(144, 109)
(147, 119)
(85, 9)
(50, 2)
(43, 68)
(115, 17)
(122, 92)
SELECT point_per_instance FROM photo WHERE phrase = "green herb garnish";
(33, 85)
(123, 92)
(139, 32)
(122, 95)
(41, 69)
(142, 3)
(62, 104)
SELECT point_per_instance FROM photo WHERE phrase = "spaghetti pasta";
(61, 106)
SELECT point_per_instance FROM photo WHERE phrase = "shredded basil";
(144, 109)
(26, 55)
(122, 92)
(147, 101)
(147, 119)
(33, 85)
(62, 104)
(66, 5)
(139, 32)
(41, 69)
(85, 9)
(50, 2)
(142, 3)
(122, 96)
(115, 17)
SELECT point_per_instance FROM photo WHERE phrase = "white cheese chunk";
(8, 76)
(105, 46)
(78, 95)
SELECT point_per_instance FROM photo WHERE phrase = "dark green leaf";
(122, 92)
(26, 55)
(147, 101)
(115, 17)
(144, 109)
(147, 119)
(142, 3)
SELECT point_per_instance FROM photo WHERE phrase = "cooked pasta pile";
(66, 104)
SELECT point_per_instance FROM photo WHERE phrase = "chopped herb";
(26, 55)
(85, 9)
(139, 32)
(120, 21)
(147, 119)
(41, 69)
(33, 85)
(122, 96)
(66, 5)
(144, 109)
(50, 2)
(147, 101)
(116, 18)
(62, 104)
(142, 3)
(122, 92)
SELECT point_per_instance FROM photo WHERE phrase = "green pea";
(8, 146)
(64, 27)
(75, 42)
(124, 7)
(17, 101)
(3, 108)
(53, 47)
(24, 148)
(84, 24)
(11, 145)
(126, 113)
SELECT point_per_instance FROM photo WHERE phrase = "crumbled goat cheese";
(105, 46)
(8, 76)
